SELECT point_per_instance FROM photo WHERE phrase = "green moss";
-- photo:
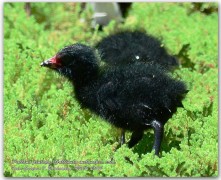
(43, 121)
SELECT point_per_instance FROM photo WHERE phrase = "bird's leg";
(158, 135)
(122, 137)
(135, 138)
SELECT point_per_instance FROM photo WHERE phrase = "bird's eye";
(63, 59)
(58, 60)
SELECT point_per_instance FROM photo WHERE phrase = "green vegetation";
(43, 121)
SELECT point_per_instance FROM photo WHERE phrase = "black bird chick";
(133, 97)
(128, 47)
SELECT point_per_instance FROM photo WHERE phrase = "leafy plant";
(45, 128)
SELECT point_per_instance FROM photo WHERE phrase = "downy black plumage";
(128, 47)
(133, 97)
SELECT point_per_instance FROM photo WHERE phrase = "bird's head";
(73, 61)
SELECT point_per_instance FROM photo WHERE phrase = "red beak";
(51, 63)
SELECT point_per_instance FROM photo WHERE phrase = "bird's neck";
(85, 77)
(84, 92)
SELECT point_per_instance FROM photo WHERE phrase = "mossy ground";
(43, 121)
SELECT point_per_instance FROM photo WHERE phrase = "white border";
(2, 73)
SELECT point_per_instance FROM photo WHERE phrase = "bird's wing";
(107, 98)
(140, 97)
(146, 96)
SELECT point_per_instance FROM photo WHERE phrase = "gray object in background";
(104, 12)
